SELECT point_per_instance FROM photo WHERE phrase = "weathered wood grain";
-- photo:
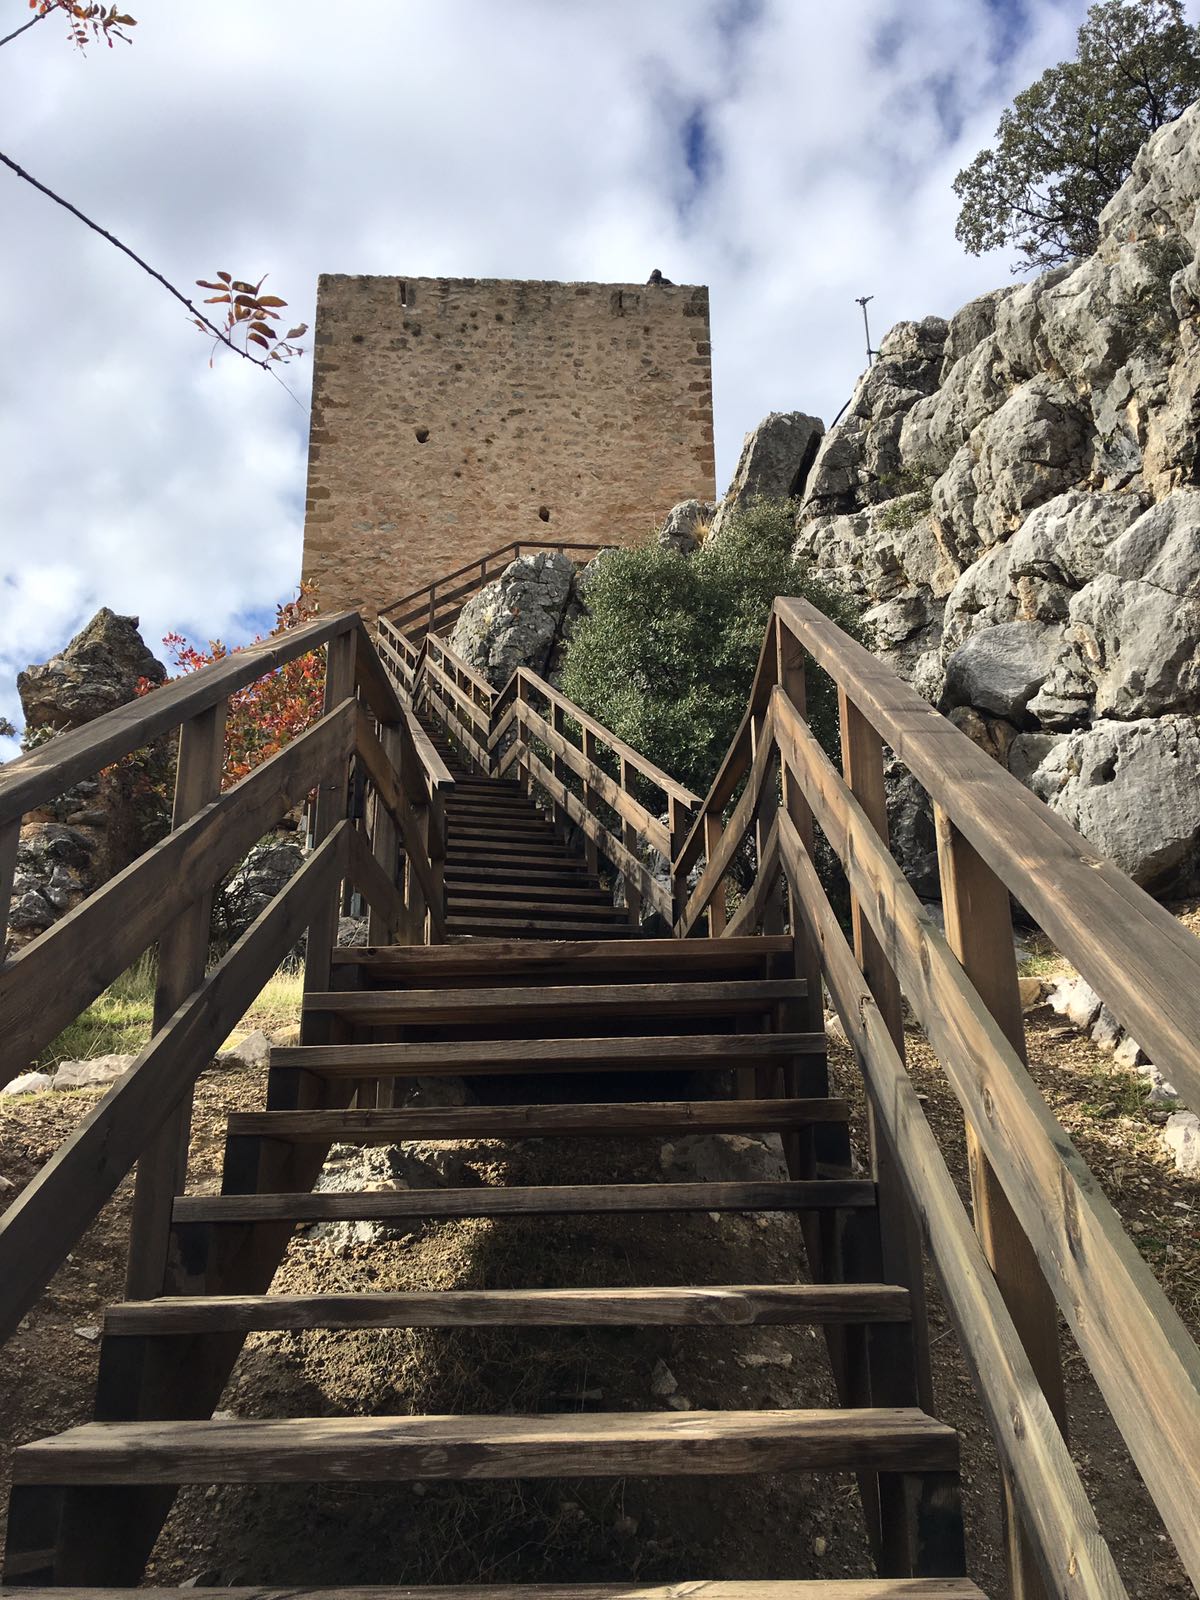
(1131, 950)
(698, 1589)
(1144, 1360)
(470, 1056)
(182, 956)
(579, 1444)
(42, 774)
(51, 1212)
(549, 1200)
(722, 1306)
(532, 1121)
(1073, 1552)
(396, 1007)
(52, 979)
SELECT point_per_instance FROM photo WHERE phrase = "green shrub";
(667, 654)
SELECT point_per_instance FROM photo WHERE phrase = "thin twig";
(24, 28)
(196, 312)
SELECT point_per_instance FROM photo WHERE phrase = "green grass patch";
(119, 1021)
(116, 1023)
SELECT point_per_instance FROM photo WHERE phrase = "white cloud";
(528, 139)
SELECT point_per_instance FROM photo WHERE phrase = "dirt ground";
(647, 1529)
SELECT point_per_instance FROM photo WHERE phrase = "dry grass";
(119, 1021)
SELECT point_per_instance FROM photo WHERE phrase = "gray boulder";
(250, 888)
(1032, 448)
(684, 524)
(98, 670)
(1001, 669)
(1133, 790)
(1138, 622)
(774, 463)
(518, 620)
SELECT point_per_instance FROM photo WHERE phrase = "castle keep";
(452, 415)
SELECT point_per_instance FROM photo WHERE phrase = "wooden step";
(538, 1200)
(688, 1052)
(577, 1444)
(732, 1306)
(420, 1007)
(565, 908)
(388, 1126)
(692, 1589)
(522, 877)
(571, 892)
(499, 831)
(501, 957)
(477, 926)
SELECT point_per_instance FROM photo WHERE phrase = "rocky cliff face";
(1014, 495)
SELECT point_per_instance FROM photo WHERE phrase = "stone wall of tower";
(452, 415)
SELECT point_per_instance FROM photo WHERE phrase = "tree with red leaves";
(270, 712)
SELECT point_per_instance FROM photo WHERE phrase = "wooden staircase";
(568, 1009)
(497, 957)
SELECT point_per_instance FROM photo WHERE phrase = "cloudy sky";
(792, 154)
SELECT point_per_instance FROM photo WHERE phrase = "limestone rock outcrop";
(1014, 496)
(523, 617)
(91, 831)
(685, 526)
(99, 670)
(774, 464)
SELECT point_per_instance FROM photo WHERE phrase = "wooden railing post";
(591, 799)
(522, 731)
(182, 955)
(558, 766)
(10, 839)
(772, 919)
(679, 823)
(979, 931)
(385, 842)
(900, 1237)
(713, 829)
(631, 839)
(330, 810)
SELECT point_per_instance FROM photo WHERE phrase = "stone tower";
(452, 415)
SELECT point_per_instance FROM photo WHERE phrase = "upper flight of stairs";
(508, 869)
(570, 1016)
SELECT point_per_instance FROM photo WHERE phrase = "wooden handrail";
(1059, 1224)
(54, 977)
(39, 776)
(417, 601)
(1137, 957)
(50, 1213)
(645, 768)
(1075, 1557)
(391, 848)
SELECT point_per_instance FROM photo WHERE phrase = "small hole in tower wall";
(544, 513)
(422, 435)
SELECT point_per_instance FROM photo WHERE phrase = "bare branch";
(196, 312)
(24, 28)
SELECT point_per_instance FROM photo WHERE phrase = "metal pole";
(862, 301)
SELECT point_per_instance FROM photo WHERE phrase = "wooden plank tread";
(378, 1126)
(713, 1051)
(575, 1444)
(726, 1306)
(692, 1589)
(381, 1205)
(440, 1005)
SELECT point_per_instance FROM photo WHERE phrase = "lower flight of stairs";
(87, 1504)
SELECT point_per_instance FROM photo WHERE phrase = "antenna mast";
(862, 301)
